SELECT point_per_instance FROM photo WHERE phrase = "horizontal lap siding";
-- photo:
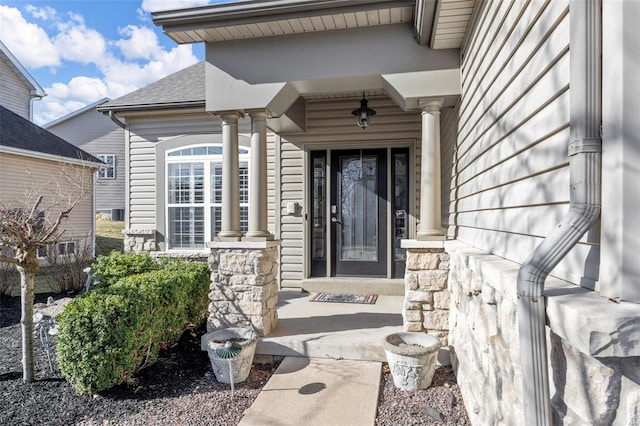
(95, 133)
(14, 93)
(508, 183)
(20, 176)
(330, 123)
(291, 226)
(144, 134)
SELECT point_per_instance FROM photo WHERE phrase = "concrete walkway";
(332, 330)
(318, 392)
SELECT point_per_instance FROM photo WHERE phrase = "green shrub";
(109, 269)
(109, 334)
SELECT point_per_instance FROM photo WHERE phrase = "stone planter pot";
(240, 364)
(412, 359)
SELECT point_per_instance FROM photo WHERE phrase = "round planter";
(241, 363)
(412, 359)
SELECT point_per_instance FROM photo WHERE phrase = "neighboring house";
(17, 87)
(96, 134)
(492, 119)
(31, 159)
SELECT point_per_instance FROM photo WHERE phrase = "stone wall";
(140, 240)
(588, 384)
(244, 288)
(427, 298)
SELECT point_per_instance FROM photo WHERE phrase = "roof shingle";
(183, 88)
(17, 132)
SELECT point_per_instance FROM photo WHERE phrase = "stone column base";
(427, 298)
(244, 286)
(140, 240)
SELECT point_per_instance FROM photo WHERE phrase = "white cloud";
(142, 43)
(121, 66)
(45, 13)
(77, 43)
(27, 41)
(157, 5)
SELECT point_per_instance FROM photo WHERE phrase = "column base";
(228, 236)
(431, 235)
(258, 236)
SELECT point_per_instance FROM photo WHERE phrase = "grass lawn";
(109, 237)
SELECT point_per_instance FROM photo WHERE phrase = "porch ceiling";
(256, 19)
(440, 23)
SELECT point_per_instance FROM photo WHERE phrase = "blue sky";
(83, 51)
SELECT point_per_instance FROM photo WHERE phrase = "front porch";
(331, 330)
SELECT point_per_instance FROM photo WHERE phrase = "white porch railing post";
(230, 220)
(430, 227)
(258, 178)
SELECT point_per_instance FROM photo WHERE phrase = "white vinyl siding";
(146, 198)
(329, 123)
(96, 134)
(15, 95)
(18, 174)
(144, 134)
(510, 183)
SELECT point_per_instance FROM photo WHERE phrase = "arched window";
(194, 194)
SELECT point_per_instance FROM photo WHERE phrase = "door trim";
(308, 147)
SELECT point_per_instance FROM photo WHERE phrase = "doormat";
(368, 299)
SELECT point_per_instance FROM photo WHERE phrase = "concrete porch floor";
(331, 330)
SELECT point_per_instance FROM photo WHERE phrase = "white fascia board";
(50, 157)
(406, 89)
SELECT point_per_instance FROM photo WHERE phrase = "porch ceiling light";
(363, 113)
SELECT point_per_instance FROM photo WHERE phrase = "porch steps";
(318, 392)
(331, 330)
(355, 285)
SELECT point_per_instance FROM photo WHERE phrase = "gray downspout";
(585, 149)
(119, 123)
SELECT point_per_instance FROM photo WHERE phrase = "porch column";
(258, 178)
(230, 220)
(430, 227)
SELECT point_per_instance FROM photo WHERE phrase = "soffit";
(256, 19)
(452, 18)
(314, 21)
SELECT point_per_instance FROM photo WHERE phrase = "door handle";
(335, 220)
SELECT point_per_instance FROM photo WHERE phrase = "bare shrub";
(65, 273)
(9, 278)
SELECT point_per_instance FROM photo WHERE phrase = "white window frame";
(103, 172)
(66, 245)
(209, 203)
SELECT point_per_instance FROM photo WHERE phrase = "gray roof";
(184, 88)
(19, 133)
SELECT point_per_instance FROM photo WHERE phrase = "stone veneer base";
(244, 288)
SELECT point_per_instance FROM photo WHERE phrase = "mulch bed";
(180, 389)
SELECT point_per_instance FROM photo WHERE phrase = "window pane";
(186, 227)
(400, 204)
(318, 230)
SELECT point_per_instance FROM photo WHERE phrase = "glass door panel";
(358, 212)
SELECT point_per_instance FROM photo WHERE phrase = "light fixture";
(363, 113)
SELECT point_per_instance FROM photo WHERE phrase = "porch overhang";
(441, 24)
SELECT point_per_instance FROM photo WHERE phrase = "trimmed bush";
(109, 269)
(109, 334)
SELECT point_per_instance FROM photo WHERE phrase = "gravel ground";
(180, 389)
